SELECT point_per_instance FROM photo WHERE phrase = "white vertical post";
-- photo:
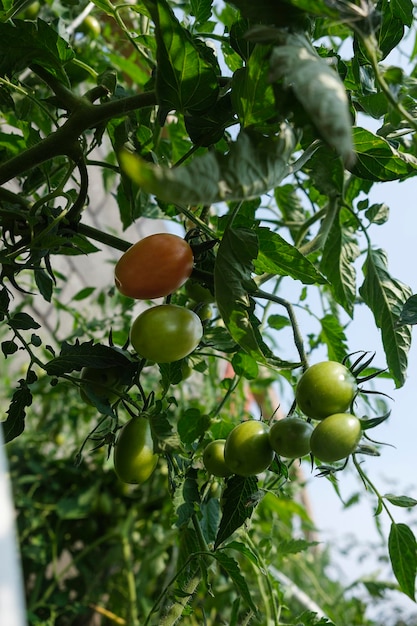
(12, 603)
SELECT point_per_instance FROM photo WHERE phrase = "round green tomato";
(90, 26)
(335, 437)
(166, 333)
(213, 458)
(290, 437)
(247, 450)
(134, 458)
(324, 389)
(197, 292)
(103, 382)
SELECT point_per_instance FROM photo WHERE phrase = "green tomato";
(197, 292)
(336, 437)
(213, 458)
(290, 437)
(134, 458)
(103, 382)
(166, 333)
(324, 389)
(90, 26)
(247, 450)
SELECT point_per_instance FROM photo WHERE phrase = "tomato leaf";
(232, 284)
(253, 165)
(238, 505)
(402, 548)
(385, 297)
(277, 256)
(14, 424)
(337, 263)
(78, 355)
(403, 501)
(232, 569)
(210, 517)
(377, 160)
(22, 321)
(192, 425)
(318, 88)
(186, 80)
(333, 335)
(25, 43)
(409, 311)
(252, 94)
(185, 498)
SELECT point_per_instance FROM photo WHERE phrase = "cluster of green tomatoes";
(155, 267)
(324, 394)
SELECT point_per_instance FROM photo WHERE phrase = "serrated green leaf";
(252, 94)
(333, 335)
(186, 80)
(73, 357)
(245, 365)
(385, 297)
(185, 498)
(232, 569)
(294, 546)
(377, 160)
(238, 506)
(14, 424)
(337, 263)
(24, 43)
(402, 548)
(210, 517)
(253, 166)
(277, 256)
(409, 311)
(192, 425)
(318, 88)
(23, 321)
(403, 501)
(44, 283)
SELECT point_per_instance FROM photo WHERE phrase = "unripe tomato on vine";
(166, 333)
(247, 450)
(324, 389)
(336, 437)
(154, 267)
(134, 458)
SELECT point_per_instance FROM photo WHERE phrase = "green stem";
(177, 609)
(370, 484)
(318, 241)
(64, 141)
(102, 237)
(131, 583)
(298, 340)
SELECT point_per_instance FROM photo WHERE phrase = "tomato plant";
(247, 450)
(134, 458)
(325, 388)
(213, 458)
(154, 267)
(336, 437)
(104, 383)
(197, 292)
(290, 437)
(166, 333)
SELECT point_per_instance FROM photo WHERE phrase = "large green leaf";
(277, 256)
(253, 166)
(318, 88)
(24, 44)
(385, 296)
(186, 78)
(238, 506)
(233, 285)
(377, 160)
(337, 263)
(252, 93)
(402, 547)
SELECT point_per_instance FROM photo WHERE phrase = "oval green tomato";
(335, 437)
(324, 389)
(103, 382)
(213, 458)
(290, 437)
(247, 450)
(134, 458)
(166, 333)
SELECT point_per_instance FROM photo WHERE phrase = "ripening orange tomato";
(154, 267)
